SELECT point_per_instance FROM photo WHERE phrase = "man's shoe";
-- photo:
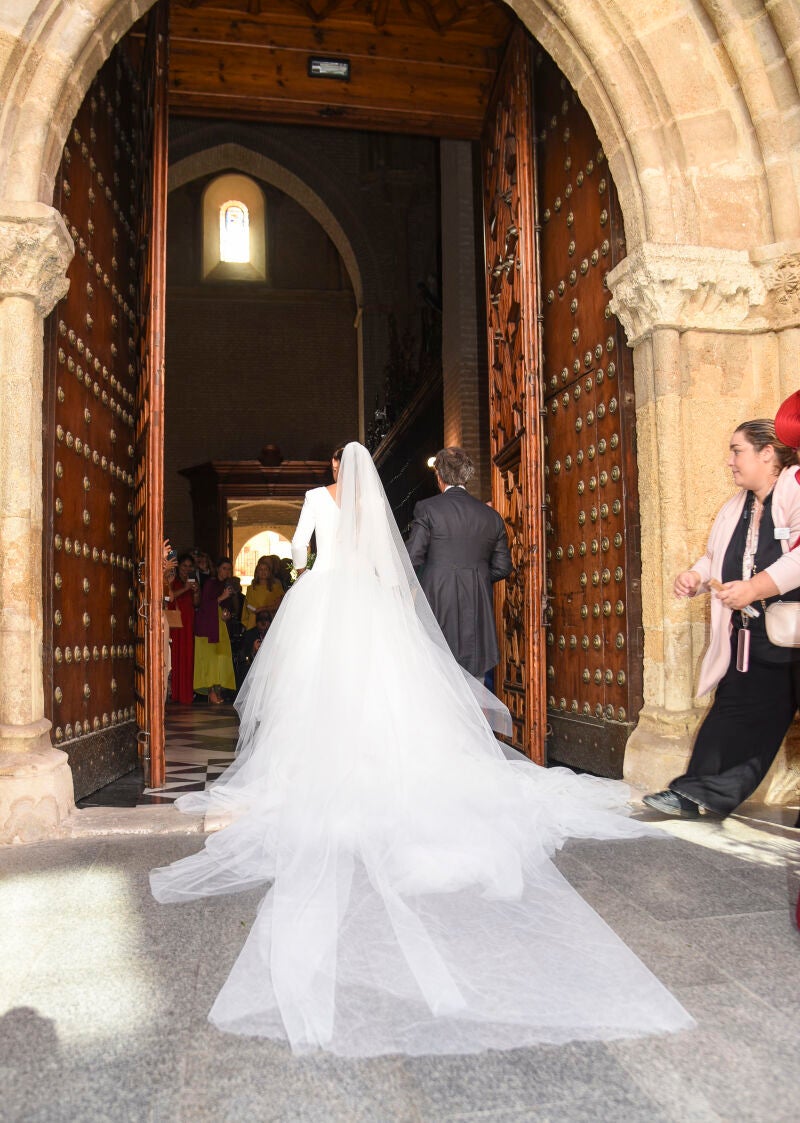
(670, 803)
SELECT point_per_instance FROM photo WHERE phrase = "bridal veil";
(411, 902)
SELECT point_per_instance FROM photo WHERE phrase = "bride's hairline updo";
(338, 452)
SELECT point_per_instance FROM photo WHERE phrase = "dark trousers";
(741, 734)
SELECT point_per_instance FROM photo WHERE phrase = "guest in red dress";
(184, 596)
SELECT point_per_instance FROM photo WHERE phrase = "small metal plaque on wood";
(338, 68)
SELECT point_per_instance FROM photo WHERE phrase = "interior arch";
(226, 156)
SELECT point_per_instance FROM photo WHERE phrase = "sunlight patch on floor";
(766, 844)
(89, 971)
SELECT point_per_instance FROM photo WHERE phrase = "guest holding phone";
(252, 640)
(748, 563)
(203, 568)
(265, 590)
(184, 595)
(169, 559)
(787, 429)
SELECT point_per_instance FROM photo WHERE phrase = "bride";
(412, 905)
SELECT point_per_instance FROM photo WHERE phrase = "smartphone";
(748, 609)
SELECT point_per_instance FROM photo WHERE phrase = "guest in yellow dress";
(265, 590)
(213, 661)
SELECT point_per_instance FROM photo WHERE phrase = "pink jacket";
(785, 572)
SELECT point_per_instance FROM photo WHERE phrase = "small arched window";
(234, 230)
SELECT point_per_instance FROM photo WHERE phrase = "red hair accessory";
(787, 421)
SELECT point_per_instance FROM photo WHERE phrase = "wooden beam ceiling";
(416, 66)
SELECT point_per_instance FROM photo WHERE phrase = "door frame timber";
(514, 345)
(149, 499)
(156, 343)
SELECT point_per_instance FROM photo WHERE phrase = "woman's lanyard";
(748, 569)
(751, 542)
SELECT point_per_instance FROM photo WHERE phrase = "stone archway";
(696, 106)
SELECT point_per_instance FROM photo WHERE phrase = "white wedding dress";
(412, 905)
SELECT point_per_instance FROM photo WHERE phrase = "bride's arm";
(302, 536)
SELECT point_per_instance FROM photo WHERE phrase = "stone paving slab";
(95, 822)
(106, 994)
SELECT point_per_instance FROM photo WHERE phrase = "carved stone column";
(35, 780)
(715, 340)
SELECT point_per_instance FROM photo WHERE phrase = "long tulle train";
(412, 905)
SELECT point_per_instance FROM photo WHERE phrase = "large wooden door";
(95, 378)
(561, 406)
(594, 659)
(509, 197)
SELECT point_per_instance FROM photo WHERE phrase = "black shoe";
(670, 803)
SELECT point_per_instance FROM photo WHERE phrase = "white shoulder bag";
(783, 623)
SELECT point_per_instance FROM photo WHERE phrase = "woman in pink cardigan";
(749, 560)
(787, 429)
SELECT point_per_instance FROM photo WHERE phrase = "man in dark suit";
(459, 548)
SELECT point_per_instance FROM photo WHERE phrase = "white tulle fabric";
(413, 905)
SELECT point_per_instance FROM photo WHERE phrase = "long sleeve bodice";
(319, 516)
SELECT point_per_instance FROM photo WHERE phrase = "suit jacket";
(459, 547)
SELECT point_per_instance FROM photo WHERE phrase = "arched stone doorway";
(697, 115)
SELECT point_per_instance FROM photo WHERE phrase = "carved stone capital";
(685, 288)
(779, 268)
(35, 250)
(700, 288)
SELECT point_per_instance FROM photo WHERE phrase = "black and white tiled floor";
(200, 744)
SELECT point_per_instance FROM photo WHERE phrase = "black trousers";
(741, 734)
